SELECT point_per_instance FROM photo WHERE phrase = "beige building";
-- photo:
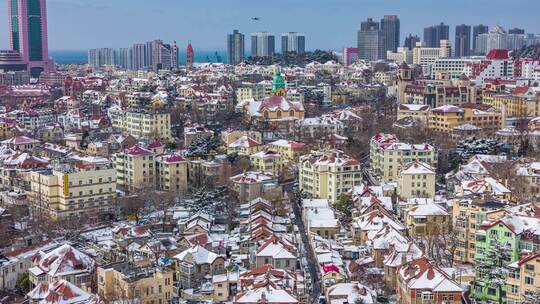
(73, 190)
(523, 279)
(123, 281)
(135, 168)
(427, 56)
(388, 155)
(328, 174)
(426, 220)
(416, 179)
(172, 173)
(467, 216)
(143, 124)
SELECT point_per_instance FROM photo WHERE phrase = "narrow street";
(312, 261)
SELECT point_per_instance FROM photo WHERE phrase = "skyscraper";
(462, 45)
(125, 58)
(101, 57)
(293, 42)
(139, 58)
(477, 30)
(370, 41)
(235, 47)
(498, 38)
(516, 31)
(28, 34)
(434, 34)
(263, 44)
(190, 56)
(410, 41)
(390, 27)
(163, 56)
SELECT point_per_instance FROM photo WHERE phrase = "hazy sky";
(328, 24)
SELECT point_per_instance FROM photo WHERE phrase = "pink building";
(28, 37)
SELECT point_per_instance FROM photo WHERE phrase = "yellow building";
(388, 155)
(73, 190)
(467, 215)
(523, 279)
(519, 103)
(135, 168)
(426, 220)
(445, 118)
(416, 179)
(328, 174)
(143, 124)
(266, 161)
(172, 173)
(123, 281)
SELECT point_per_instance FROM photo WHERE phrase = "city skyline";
(180, 21)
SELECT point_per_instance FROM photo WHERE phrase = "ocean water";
(81, 57)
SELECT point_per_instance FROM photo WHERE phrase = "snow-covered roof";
(198, 255)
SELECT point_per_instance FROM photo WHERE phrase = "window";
(529, 281)
(529, 267)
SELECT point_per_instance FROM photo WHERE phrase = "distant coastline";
(81, 56)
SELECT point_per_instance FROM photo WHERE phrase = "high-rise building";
(477, 30)
(498, 38)
(350, 56)
(190, 56)
(391, 29)
(28, 38)
(434, 34)
(235, 47)
(125, 56)
(462, 44)
(293, 42)
(371, 41)
(517, 31)
(139, 58)
(101, 57)
(410, 41)
(163, 56)
(263, 44)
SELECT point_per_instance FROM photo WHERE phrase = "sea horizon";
(81, 56)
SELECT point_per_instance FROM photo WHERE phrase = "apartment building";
(388, 155)
(172, 173)
(416, 179)
(467, 216)
(426, 56)
(328, 174)
(135, 168)
(445, 119)
(519, 102)
(74, 190)
(143, 124)
(126, 281)
(523, 279)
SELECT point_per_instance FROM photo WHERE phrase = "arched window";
(278, 114)
(291, 113)
(265, 114)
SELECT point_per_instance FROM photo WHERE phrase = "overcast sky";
(328, 24)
